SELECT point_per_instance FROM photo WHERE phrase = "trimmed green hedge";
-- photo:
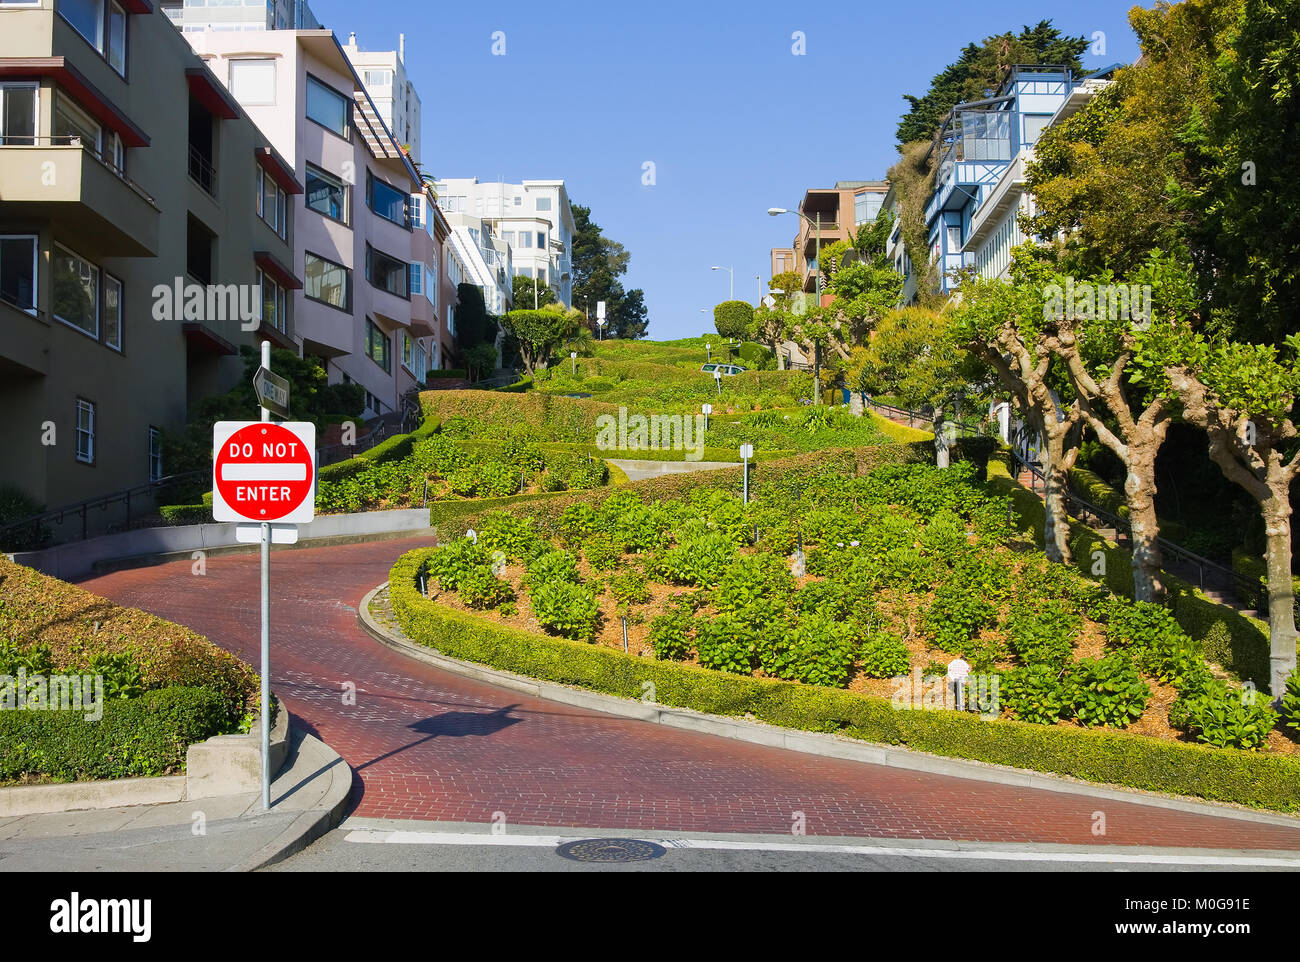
(143, 736)
(1218, 774)
(454, 373)
(396, 448)
(900, 433)
(1255, 568)
(1238, 643)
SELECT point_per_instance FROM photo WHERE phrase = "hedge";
(454, 373)
(1217, 774)
(1255, 569)
(900, 433)
(1238, 643)
(1091, 487)
(142, 736)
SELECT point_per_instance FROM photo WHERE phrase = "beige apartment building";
(832, 214)
(145, 234)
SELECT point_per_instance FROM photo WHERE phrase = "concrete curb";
(813, 743)
(317, 759)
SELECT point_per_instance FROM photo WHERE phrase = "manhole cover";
(610, 850)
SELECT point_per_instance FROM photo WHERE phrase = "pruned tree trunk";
(1140, 493)
(1261, 471)
(1061, 456)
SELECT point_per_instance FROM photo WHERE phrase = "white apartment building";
(196, 16)
(485, 260)
(533, 218)
(395, 98)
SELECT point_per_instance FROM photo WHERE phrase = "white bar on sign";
(264, 472)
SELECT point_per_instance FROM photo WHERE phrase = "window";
(509, 237)
(76, 291)
(18, 253)
(526, 271)
(85, 431)
(275, 303)
(526, 238)
(451, 320)
(70, 122)
(378, 78)
(541, 274)
(387, 273)
(102, 24)
(417, 210)
(253, 81)
(155, 455)
(327, 282)
(198, 253)
(377, 348)
(954, 238)
(1034, 126)
(327, 107)
(386, 201)
(327, 194)
(113, 312)
(408, 351)
(417, 279)
(543, 203)
(541, 238)
(17, 114)
(866, 206)
(272, 203)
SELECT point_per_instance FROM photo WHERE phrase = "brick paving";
(425, 744)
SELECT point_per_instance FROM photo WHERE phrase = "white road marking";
(737, 845)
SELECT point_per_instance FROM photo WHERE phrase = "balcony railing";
(72, 140)
(202, 171)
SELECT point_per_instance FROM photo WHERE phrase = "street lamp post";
(733, 279)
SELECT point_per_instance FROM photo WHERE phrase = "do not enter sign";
(263, 471)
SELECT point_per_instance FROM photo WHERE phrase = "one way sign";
(272, 392)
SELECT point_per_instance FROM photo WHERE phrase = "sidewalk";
(224, 833)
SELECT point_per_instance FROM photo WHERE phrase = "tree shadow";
(453, 724)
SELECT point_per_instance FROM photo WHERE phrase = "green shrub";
(670, 633)
(142, 736)
(959, 611)
(179, 514)
(480, 588)
(551, 566)
(510, 534)
(602, 553)
(1107, 691)
(1043, 633)
(699, 561)
(629, 588)
(750, 577)
(567, 609)
(1225, 717)
(884, 655)
(727, 643)
(1291, 703)
(1035, 693)
(452, 563)
(121, 673)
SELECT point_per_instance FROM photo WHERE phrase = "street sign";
(264, 472)
(769, 302)
(746, 451)
(600, 311)
(708, 409)
(272, 392)
(280, 533)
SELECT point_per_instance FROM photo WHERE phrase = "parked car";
(728, 369)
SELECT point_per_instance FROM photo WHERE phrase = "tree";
(598, 263)
(979, 69)
(734, 319)
(873, 239)
(914, 355)
(1242, 395)
(479, 360)
(526, 289)
(538, 333)
(1003, 324)
(1118, 368)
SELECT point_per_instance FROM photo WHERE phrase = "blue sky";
(709, 92)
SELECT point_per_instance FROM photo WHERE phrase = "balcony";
(24, 342)
(82, 197)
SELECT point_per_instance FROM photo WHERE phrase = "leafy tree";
(479, 360)
(734, 319)
(1003, 324)
(528, 288)
(540, 332)
(1250, 232)
(873, 238)
(1243, 396)
(598, 263)
(913, 354)
(979, 69)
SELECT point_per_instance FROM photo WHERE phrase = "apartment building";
(832, 214)
(485, 260)
(383, 73)
(146, 232)
(196, 16)
(534, 218)
(433, 293)
(353, 246)
(994, 226)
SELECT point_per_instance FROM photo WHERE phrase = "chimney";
(401, 47)
(352, 39)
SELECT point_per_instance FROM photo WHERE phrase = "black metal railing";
(1252, 594)
(334, 453)
(139, 504)
(916, 418)
(202, 170)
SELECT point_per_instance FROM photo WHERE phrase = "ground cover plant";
(854, 581)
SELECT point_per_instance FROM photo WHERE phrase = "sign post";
(600, 319)
(573, 359)
(746, 452)
(707, 409)
(717, 377)
(264, 473)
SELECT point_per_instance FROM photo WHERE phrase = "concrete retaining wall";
(81, 558)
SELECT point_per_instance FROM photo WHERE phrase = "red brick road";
(425, 744)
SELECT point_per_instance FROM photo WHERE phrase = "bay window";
(18, 259)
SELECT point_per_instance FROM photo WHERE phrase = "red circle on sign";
(264, 472)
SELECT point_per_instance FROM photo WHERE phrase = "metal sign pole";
(266, 630)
